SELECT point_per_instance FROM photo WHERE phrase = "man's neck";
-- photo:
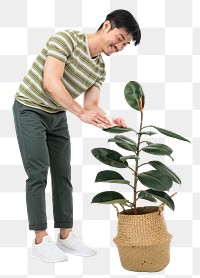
(94, 44)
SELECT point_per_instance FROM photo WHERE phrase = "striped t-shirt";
(81, 71)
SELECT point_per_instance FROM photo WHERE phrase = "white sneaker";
(74, 245)
(47, 251)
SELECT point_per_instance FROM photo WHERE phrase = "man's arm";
(52, 83)
(91, 102)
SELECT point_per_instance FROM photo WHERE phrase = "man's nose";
(119, 46)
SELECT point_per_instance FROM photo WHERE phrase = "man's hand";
(94, 114)
(119, 122)
(95, 118)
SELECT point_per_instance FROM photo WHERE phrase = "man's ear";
(106, 25)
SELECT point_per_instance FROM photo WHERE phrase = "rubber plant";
(158, 181)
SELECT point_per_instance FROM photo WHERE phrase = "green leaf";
(163, 197)
(109, 197)
(131, 144)
(126, 139)
(124, 158)
(124, 143)
(170, 133)
(118, 129)
(147, 133)
(158, 149)
(109, 157)
(147, 142)
(163, 168)
(133, 91)
(147, 196)
(156, 180)
(110, 177)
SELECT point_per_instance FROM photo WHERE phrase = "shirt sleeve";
(100, 81)
(60, 46)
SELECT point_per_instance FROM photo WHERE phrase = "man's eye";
(118, 39)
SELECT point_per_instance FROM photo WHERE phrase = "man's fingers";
(101, 126)
(104, 119)
(120, 122)
(97, 119)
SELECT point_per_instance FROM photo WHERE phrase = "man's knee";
(37, 177)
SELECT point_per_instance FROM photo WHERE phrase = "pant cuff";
(38, 227)
(63, 225)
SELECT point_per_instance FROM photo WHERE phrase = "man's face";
(115, 40)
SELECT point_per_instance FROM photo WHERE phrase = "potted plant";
(143, 240)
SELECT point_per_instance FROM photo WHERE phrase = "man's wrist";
(74, 107)
(81, 112)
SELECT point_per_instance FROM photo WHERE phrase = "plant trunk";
(136, 164)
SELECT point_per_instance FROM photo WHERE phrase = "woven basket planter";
(143, 241)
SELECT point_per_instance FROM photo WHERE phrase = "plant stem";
(136, 164)
(131, 186)
(131, 169)
(143, 164)
(146, 126)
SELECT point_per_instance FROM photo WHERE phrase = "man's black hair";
(124, 19)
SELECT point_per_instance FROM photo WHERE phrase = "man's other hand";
(119, 122)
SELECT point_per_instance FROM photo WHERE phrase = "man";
(70, 64)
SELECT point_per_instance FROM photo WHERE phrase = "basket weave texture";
(143, 240)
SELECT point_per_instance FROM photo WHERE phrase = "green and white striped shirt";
(81, 71)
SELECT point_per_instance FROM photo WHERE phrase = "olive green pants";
(44, 142)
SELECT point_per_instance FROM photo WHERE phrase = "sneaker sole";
(35, 256)
(74, 252)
